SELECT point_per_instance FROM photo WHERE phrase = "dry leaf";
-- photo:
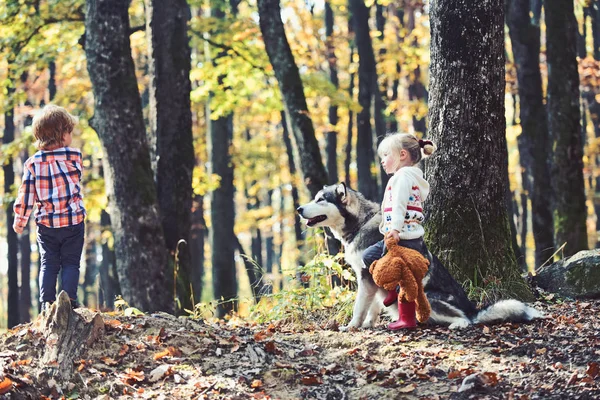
(158, 372)
(593, 370)
(5, 386)
(235, 347)
(408, 388)
(311, 380)
(486, 330)
(257, 383)
(492, 378)
(270, 347)
(109, 361)
(21, 362)
(124, 349)
(131, 376)
(113, 323)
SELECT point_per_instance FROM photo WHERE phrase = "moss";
(583, 278)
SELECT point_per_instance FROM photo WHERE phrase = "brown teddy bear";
(407, 268)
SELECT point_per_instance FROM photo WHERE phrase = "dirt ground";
(160, 356)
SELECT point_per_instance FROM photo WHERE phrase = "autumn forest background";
(197, 123)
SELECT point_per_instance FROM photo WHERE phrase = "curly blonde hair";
(50, 125)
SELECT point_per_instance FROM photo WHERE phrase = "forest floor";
(159, 356)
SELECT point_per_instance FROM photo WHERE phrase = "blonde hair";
(50, 125)
(418, 149)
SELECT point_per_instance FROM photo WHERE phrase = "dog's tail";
(507, 311)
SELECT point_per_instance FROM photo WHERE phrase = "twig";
(551, 257)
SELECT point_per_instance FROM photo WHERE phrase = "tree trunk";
(131, 191)
(25, 300)
(220, 140)
(348, 150)
(468, 225)
(367, 86)
(570, 211)
(171, 128)
(594, 12)
(534, 141)
(108, 285)
(333, 245)
(12, 240)
(91, 268)
(417, 92)
(197, 234)
(290, 85)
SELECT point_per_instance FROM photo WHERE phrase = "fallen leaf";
(158, 372)
(21, 362)
(572, 379)
(131, 376)
(454, 374)
(408, 388)
(108, 361)
(124, 349)
(5, 386)
(311, 380)
(257, 383)
(486, 330)
(593, 370)
(235, 347)
(492, 378)
(270, 347)
(113, 323)
(541, 351)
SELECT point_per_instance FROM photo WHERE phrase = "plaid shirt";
(51, 180)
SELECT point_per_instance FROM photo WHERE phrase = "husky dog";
(354, 221)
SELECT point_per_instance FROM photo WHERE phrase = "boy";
(51, 180)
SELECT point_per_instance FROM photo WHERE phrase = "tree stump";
(67, 333)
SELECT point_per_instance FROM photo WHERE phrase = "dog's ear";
(342, 192)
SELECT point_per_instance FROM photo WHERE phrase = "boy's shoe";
(74, 304)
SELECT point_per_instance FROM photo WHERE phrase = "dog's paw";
(460, 324)
(352, 326)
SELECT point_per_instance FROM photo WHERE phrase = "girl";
(402, 208)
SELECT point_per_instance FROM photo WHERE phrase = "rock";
(577, 276)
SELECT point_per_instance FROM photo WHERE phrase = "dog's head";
(328, 207)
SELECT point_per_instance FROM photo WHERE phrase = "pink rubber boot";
(407, 318)
(391, 298)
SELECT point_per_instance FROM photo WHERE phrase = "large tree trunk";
(171, 128)
(220, 140)
(570, 211)
(288, 76)
(467, 223)
(534, 141)
(25, 300)
(367, 87)
(222, 215)
(197, 234)
(109, 285)
(333, 245)
(11, 237)
(139, 242)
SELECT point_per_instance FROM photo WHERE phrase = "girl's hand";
(395, 234)
(17, 229)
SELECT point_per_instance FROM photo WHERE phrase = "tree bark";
(367, 87)
(109, 285)
(220, 140)
(290, 84)
(467, 225)
(333, 245)
(348, 149)
(67, 336)
(197, 234)
(12, 240)
(534, 141)
(570, 211)
(171, 128)
(139, 242)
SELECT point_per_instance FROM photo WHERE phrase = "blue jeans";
(60, 248)
(378, 250)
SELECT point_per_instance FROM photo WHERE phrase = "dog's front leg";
(364, 298)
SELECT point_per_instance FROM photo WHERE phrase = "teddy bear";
(406, 268)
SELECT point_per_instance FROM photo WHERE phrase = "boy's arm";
(25, 200)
